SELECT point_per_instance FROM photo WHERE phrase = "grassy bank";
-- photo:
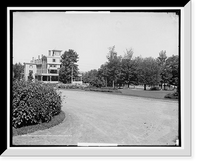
(142, 93)
(32, 128)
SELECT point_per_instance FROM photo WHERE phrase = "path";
(95, 117)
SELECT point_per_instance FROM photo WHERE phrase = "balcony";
(40, 71)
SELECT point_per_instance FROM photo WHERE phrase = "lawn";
(32, 128)
(142, 93)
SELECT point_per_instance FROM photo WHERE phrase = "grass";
(159, 94)
(103, 90)
(142, 93)
(32, 128)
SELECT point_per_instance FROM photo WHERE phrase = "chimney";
(49, 52)
(38, 56)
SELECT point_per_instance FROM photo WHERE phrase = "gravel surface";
(95, 117)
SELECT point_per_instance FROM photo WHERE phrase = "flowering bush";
(33, 103)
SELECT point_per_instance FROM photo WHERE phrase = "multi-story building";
(46, 68)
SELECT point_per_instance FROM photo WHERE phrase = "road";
(95, 117)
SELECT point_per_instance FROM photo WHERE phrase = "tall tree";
(148, 71)
(69, 68)
(103, 73)
(161, 60)
(128, 68)
(113, 65)
(172, 64)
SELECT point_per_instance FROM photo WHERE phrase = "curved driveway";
(95, 117)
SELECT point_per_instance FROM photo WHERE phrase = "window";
(54, 60)
(53, 71)
(54, 78)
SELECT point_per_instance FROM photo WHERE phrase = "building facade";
(46, 68)
(29, 67)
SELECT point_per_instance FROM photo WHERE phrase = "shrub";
(33, 103)
(154, 89)
(174, 95)
(70, 86)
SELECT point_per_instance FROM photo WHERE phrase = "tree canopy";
(69, 68)
(18, 70)
(127, 69)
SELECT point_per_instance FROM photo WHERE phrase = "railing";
(39, 71)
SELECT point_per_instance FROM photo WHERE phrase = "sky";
(91, 34)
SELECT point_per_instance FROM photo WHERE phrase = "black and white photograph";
(103, 78)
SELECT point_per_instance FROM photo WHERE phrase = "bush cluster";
(154, 89)
(70, 86)
(174, 95)
(34, 103)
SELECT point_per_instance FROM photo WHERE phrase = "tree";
(113, 65)
(172, 64)
(94, 78)
(128, 68)
(69, 68)
(18, 70)
(148, 71)
(103, 74)
(164, 73)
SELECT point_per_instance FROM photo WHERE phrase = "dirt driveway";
(95, 117)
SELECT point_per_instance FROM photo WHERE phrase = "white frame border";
(185, 150)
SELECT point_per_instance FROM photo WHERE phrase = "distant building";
(46, 68)
(28, 67)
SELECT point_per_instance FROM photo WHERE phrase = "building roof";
(30, 63)
(56, 50)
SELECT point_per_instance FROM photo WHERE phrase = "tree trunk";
(145, 87)
(128, 84)
(113, 84)
(164, 86)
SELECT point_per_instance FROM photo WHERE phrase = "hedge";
(174, 95)
(33, 103)
(70, 86)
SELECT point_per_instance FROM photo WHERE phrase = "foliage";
(68, 66)
(18, 69)
(70, 86)
(113, 65)
(174, 95)
(93, 78)
(128, 68)
(33, 103)
(120, 71)
(32, 128)
(148, 72)
(154, 89)
(30, 76)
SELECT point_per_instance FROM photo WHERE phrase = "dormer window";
(54, 60)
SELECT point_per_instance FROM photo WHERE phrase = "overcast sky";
(90, 35)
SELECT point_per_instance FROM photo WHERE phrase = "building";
(29, 67)
(46, 68)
